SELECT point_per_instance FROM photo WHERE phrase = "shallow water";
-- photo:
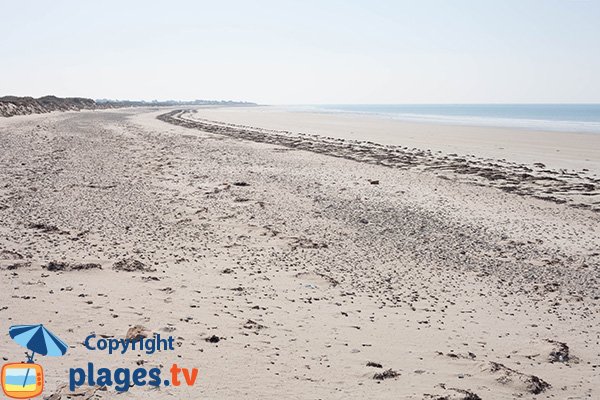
(556, 117)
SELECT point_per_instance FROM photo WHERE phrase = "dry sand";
(306, 266)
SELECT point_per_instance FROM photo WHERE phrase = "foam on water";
(552, 117)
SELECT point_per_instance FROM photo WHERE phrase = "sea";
(548, 117)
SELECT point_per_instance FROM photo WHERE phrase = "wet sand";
(576, 188)
(318, 263)
(558, 150)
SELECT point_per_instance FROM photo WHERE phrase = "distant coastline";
(13, 105)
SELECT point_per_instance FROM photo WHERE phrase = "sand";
(576, 188)
(313, 267)
(568, 150)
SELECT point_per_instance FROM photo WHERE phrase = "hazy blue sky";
(421, 51)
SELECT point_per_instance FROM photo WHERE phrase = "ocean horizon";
(551, 117)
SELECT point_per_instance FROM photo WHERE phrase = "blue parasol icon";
(39, 340)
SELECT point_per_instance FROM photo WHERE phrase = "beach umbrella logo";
(25, 380)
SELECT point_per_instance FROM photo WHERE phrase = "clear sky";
(305, 51)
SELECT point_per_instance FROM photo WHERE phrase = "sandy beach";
(305, 255)
(561, 150)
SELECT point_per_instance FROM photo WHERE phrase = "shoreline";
(521, 124)
(576, 151)
(578, 189)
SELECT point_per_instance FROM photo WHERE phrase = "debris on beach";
(531, 383)
(457, 394)
(137, 332)
(56, 266)
(213, 339)
(46, 228)
(560, 353)
(131, 265)
(305, 243)
(250, 324)
(387, 374)
(18, 265)
(374, 364)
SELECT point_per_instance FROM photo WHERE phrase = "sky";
(305, 51)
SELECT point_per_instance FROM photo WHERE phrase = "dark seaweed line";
(513, 178)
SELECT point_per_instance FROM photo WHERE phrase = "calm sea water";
(558, 117)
